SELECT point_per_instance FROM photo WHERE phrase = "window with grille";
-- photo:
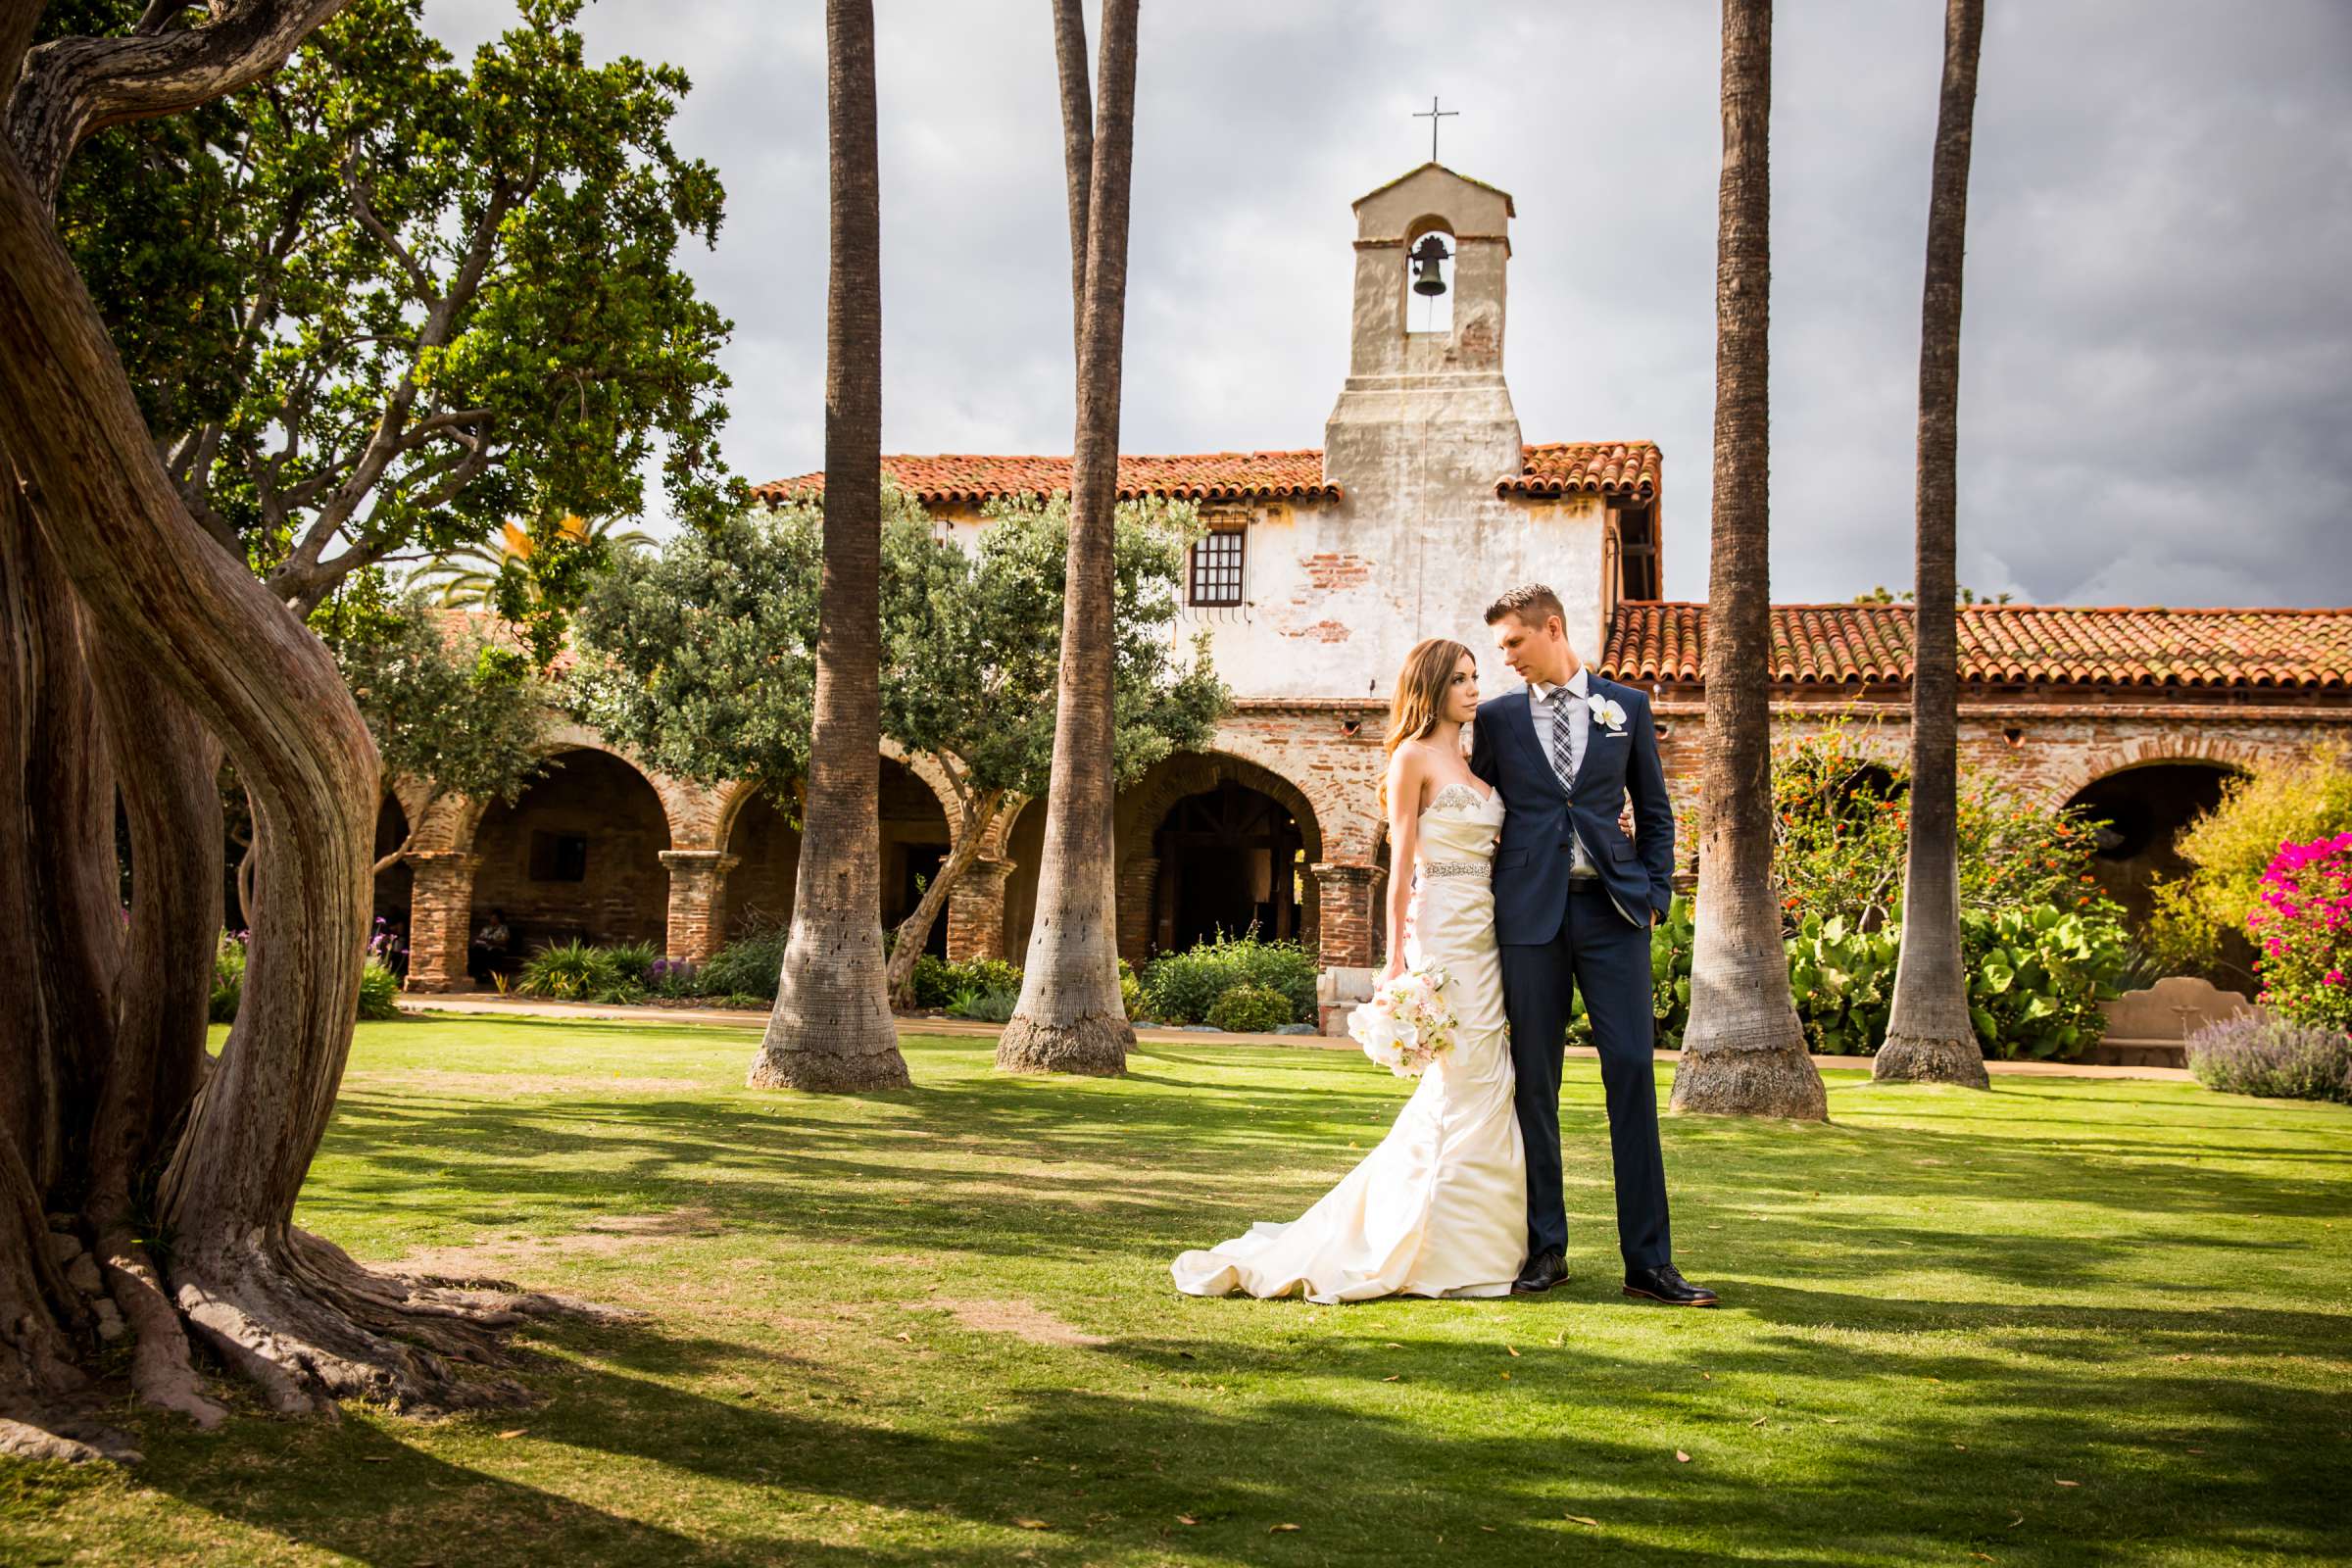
(1217, 567)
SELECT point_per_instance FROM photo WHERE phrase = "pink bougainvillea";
(2304, 927)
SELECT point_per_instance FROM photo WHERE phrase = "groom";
(1574, 903)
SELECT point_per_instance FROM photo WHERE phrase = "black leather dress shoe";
(1665, 1283)
(1542, 1272)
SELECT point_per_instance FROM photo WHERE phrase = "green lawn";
(2066, 1322)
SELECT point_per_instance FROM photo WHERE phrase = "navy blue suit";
(1559, 939)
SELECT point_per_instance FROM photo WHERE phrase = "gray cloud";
(2156, 399)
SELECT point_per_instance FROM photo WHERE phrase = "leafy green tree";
(426, 299)
(701, 659)
(449, 707)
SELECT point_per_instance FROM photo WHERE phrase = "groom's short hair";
(1531, 602)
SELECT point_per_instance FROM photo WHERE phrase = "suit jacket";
(1543, 820)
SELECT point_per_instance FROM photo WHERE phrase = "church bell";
(1428, 258)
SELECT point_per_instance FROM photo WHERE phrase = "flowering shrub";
(2304, 928)
(379, 992)
(2199, 922)
(387, 948)
(2253, 1055)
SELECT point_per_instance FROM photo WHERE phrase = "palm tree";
(1930, 1036)
(469, 576)
(832, 1028)
(1744, 1052)
(1070, 1017)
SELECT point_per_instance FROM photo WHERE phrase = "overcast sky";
(2156, 395)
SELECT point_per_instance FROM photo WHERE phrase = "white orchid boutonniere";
(1607, 714)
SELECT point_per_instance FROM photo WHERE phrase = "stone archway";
(2144, 809)
(577, 856)
(1208, 839)
(763, 852)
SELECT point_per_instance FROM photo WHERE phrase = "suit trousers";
(1603, 957)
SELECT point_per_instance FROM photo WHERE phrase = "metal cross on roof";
(1433, 114)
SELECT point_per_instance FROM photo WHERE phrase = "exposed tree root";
(63, 1435)
(162, 1372)
(1092, 1044)
(308, 1326)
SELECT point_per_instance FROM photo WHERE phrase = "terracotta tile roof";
(2008, 644)
(1610, 467)
(957, 477)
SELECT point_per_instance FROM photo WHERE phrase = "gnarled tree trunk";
(832, 1027)
(1070, 1017)
(185, 644)
(1744, 1052)
(1929, 1037)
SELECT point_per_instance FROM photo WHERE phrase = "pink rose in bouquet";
(1409, 1022)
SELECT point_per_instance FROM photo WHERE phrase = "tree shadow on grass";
(1374, 1471)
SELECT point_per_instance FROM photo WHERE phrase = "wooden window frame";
(1211, 576)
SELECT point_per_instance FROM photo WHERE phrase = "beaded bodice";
(1457, 832)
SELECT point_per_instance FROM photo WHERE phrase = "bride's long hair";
(1420, 700)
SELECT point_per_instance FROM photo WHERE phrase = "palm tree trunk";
(1744, 1052)
(832, 1027)
(1929, 1037)
(1070, 1017)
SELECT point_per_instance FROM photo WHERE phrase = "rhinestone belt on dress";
(1452, 867)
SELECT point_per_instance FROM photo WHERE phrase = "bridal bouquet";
(1407, 1024)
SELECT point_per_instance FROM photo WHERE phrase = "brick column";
(1139, 878)
(976, 911)
(440, 914)
(1345, 913)
(698, 894)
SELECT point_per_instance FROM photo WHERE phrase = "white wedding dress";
(1439, 1209)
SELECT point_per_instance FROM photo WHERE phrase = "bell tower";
(1427, 406)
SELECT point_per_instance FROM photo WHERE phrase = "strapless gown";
(1439, 1209)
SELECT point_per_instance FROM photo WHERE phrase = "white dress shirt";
(1580, 723)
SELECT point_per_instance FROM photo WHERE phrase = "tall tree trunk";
(1929, 1037)
(914, 932)
(832, 1027)
(286, 1309)
(1744, 1052)
(1070, 1017)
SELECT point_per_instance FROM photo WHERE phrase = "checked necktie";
(1563, 737)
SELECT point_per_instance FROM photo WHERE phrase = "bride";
(1439, 1209)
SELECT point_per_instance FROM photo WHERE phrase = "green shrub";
(228, 977)
(1182, 987)
(933, 981)
(1669, 971)
(633, 962)
(938, 983)
(989, 1007)
(1131, 991)
(379, 992)
(1248, 1009)
(2036, 976)
(748, 966)
(1843, 982)
(570, 972)
(2035, 979)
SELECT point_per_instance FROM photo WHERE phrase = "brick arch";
(2150, 751)
(1339, 782)
(1184, 774)
(689, 810)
